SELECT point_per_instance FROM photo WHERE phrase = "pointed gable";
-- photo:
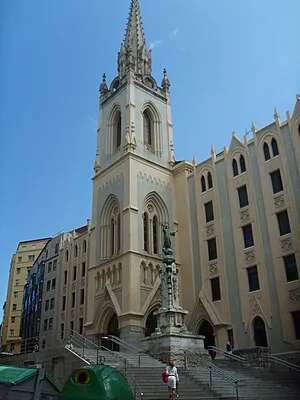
(235, 143)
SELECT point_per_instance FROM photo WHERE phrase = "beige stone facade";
(21, 262)
(238, 215)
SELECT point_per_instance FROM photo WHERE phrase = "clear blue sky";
(229, 62)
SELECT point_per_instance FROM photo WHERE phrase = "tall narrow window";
(67, 256)
(76, 251)
(248, 236)
(212, 249)
(253, 278)
(73, 299)
(81, 296)
(209, 180)
(203, 184)
(276, 181)
(112, 237)
(80, 326)
(118, 129)
(147, 128)
(291, 269)
(266, 152)
(74, 272)
(274, 146)
(283, 223)
(235, 170)
(83, 270)
(243, 196)
(65, 277)
(84, 246)
(215, 289)
(242, 163)
(119, 233)
(209, 211)
(146, 222)
(296, 320)
(155, 235)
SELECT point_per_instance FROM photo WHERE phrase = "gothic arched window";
(155, 235)
(235, 167)
(110, 228)
(242, 163)
(67, 256)
(147, 128)
(84, 246)
(209, 180)
(119, 234)
(203, 184)
(112, 237)
(145, 228)
(76, 251)
(118, 127)
(274, 146)
(266, 151)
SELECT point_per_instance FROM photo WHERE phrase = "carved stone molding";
(294, 295)
(286, 244)
(81, 310)
(150, 208)
(116, 210)
(210, 230)
(256, 309)
(65, 290)
(279, 201)
(249, 256)
(72, 313)
(62, 316)
(82, 282)
(245, 216)
(73, 286)
(213, 268)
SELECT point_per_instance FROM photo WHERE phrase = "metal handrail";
(133, 383)
(125, 344)
(231, 356)
(213, 369)
(284, 363)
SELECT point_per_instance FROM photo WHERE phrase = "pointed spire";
(253, 127)
(134, 54)
(103, 87)
(165, 84)
(195, 161)
(276, 116)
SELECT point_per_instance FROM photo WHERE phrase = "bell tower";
(132, 187)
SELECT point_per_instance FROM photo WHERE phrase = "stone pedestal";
(171, 346)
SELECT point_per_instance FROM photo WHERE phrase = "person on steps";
(173, 379)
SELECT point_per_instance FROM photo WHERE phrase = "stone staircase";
(263, 384)
(144, 374)
(149, 380)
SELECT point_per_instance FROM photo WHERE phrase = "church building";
(237, 213)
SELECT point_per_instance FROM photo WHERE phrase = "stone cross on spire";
(134, 54)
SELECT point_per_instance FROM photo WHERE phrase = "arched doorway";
(205, 329)
(112, 329)
(259, 330)
(151, 323)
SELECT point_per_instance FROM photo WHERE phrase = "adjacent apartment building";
(21, 263)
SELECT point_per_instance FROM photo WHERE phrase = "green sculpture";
(168, 253)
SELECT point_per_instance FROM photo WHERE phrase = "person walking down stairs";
(173, 379)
